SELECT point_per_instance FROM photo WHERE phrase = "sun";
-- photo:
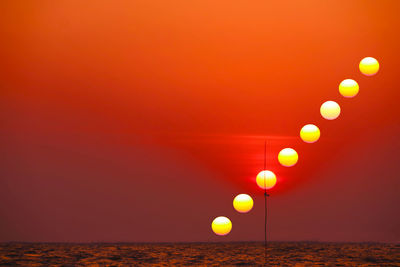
(288, 157)
(266, 179)
(330, 110)
(369, 66)
(221, 225)
(349, 88)
(310, 133)
(243, 203)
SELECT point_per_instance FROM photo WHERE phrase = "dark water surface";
(200, 254)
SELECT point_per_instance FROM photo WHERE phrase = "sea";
(200, 254)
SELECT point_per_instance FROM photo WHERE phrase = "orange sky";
(146, 119)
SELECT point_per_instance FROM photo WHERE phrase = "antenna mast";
(265, 202)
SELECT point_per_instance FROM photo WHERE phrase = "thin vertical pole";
(265, 202)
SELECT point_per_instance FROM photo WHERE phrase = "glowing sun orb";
(243, 203)
(369, 66)
(330, 110)
(288, 157)
(349, 88)
(221, 225)
(310, 133)
(266, 179)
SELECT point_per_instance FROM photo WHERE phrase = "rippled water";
(227, 254)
